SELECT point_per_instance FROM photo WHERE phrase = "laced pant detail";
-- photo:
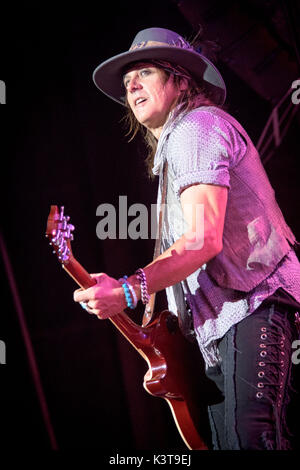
(255, 380)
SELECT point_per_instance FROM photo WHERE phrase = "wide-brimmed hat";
(159, 44)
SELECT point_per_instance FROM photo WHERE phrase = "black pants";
(254, 378)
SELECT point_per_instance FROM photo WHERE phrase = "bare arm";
(200, 243)
(197, 245)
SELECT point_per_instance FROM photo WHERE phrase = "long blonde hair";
(192, 97)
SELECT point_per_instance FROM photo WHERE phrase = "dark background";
(62, 143)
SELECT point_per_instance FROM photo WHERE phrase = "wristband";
(130, 295)
(144, 287)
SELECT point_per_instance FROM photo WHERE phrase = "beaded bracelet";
(144, 287)
(131, 300)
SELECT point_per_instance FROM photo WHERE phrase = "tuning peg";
(57, 237)
(64, 256)
(68, 231)
(61, 214)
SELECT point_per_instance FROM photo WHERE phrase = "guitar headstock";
(59, 232)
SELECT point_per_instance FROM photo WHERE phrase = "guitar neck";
(134, 333)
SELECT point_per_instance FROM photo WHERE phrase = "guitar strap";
(149, 309)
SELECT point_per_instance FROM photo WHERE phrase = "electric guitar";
(173, 372)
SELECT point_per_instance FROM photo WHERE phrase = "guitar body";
(175, 374)
(174, 363)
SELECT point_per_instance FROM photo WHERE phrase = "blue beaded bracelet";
(130, 295)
